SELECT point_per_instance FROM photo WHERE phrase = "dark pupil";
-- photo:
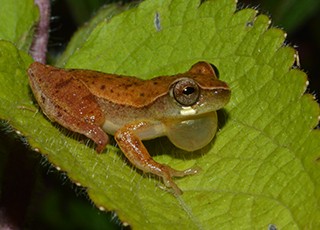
(188, 90)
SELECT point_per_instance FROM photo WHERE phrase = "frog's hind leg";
(82, 126)
(73, 106)
(65, 99)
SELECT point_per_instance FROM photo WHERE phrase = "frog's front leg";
(129, 141)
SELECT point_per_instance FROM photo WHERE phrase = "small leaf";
(18, 18)
(105, 14)
(262, 168)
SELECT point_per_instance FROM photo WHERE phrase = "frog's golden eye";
(186, 91)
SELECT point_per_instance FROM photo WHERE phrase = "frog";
(183, 107)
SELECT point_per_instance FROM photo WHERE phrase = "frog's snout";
(222, 95)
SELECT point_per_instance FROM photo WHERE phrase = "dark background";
(33, 195)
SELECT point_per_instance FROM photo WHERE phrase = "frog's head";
(197, 94)
(199, 91)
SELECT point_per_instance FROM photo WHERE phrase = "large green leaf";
(262, 168)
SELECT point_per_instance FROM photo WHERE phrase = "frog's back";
(123, 90)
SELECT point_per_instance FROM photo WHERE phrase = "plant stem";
(40, 42)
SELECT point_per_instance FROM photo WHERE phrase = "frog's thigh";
(72, 105)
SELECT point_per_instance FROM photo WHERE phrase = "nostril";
(217, 91)
(220, 91)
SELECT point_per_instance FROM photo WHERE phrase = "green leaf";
(17, 20)
(14, 85)
(262, 168)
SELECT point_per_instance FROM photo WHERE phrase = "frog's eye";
(186, 91)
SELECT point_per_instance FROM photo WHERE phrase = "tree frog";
(181, 107)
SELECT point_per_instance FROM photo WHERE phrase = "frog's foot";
(167, 173)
